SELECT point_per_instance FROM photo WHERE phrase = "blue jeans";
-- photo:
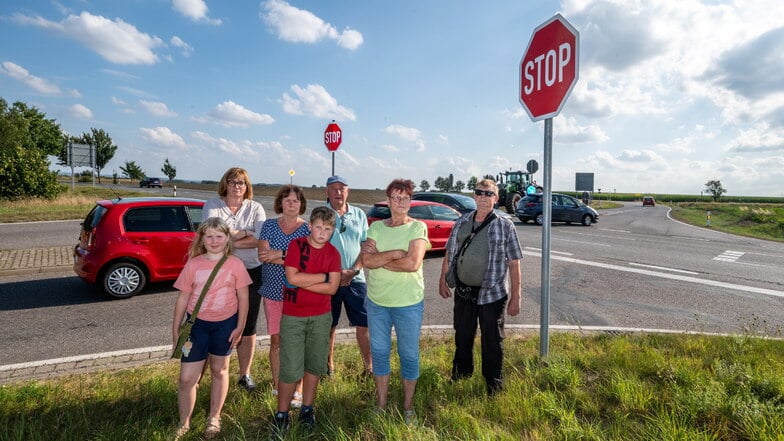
(407, 321)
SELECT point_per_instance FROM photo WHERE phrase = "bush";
(25, 173)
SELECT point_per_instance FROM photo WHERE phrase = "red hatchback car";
(125, 243)
(438, 217)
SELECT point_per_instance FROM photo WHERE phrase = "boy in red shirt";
(312, 268)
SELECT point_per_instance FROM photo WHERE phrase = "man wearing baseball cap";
(350, 231)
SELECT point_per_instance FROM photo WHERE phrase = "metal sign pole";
(333, 164)
(547, 197)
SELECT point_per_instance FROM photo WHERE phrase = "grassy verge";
(762, 221)
(70, 205)
(599, 387)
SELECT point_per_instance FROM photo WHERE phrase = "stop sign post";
(548, 73)
(333, 136)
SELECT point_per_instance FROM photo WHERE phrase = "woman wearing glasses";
(393, 255)
(274, 240)
(236, 206)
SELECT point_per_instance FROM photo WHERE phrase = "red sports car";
(438, 217)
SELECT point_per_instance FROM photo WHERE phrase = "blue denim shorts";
(210, 337)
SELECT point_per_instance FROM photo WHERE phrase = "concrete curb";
(47, 369)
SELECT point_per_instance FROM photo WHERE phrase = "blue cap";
(336, 179)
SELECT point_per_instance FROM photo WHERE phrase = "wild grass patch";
(629, 387)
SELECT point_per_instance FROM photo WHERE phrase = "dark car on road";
(125, 243)
(648, 200)
(151, 183)
(564, 209)
(460, 202)
(438, 217)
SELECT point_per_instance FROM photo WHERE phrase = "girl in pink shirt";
(219, 322)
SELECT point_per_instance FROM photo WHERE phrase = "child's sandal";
(213, 428)
(181, 431)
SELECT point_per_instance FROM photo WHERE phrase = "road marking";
(552, 251)
(604, 236)
(745, 288)
(585, 243)
(664, 268)
(729, 256)
(691, 238)
(617, 231)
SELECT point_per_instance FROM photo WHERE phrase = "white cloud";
(658, 57)
(231, 114)
(242, 149)
(409, 134)
(300, 26)
(567, 130)
(114, 40)
(162, 136)
(350, 39)
(80, 111)
(22, 75)
(185, 49)
(157, 108)
(758, 139)
(390, 148)
(196, 10)
(314, 100)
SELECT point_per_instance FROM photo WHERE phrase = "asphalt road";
(635, 268)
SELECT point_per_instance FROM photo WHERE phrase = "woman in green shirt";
(393, 255)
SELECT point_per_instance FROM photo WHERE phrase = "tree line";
(28, 138)
(449, 184)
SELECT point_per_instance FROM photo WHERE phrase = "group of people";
(304, 274)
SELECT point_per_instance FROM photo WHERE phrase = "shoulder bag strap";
(206, 288)
(471, 236)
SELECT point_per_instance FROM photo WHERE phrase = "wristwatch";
(356, 271)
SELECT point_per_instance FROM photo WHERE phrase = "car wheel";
(539, 219)
(123, 280)
(587, 220)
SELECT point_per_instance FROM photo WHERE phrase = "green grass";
(762, 221)
(69, 205)
(597, 387)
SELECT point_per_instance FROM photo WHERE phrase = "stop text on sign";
(548, 66)
(332, 137)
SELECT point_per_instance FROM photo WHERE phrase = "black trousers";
(467, 313)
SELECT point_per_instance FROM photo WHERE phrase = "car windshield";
(381, 212)
(466, 201)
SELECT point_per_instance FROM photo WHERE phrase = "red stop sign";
(333, 136)
(549, 68)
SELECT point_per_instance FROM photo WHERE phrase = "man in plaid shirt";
(486, 253)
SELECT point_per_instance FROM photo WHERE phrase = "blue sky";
(671, 94)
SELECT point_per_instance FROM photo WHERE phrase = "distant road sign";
(333, 136)
(532, 166)
(549, 68)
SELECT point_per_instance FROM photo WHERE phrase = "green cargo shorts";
(304, 346)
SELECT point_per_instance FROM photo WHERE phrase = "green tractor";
(512, 186)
